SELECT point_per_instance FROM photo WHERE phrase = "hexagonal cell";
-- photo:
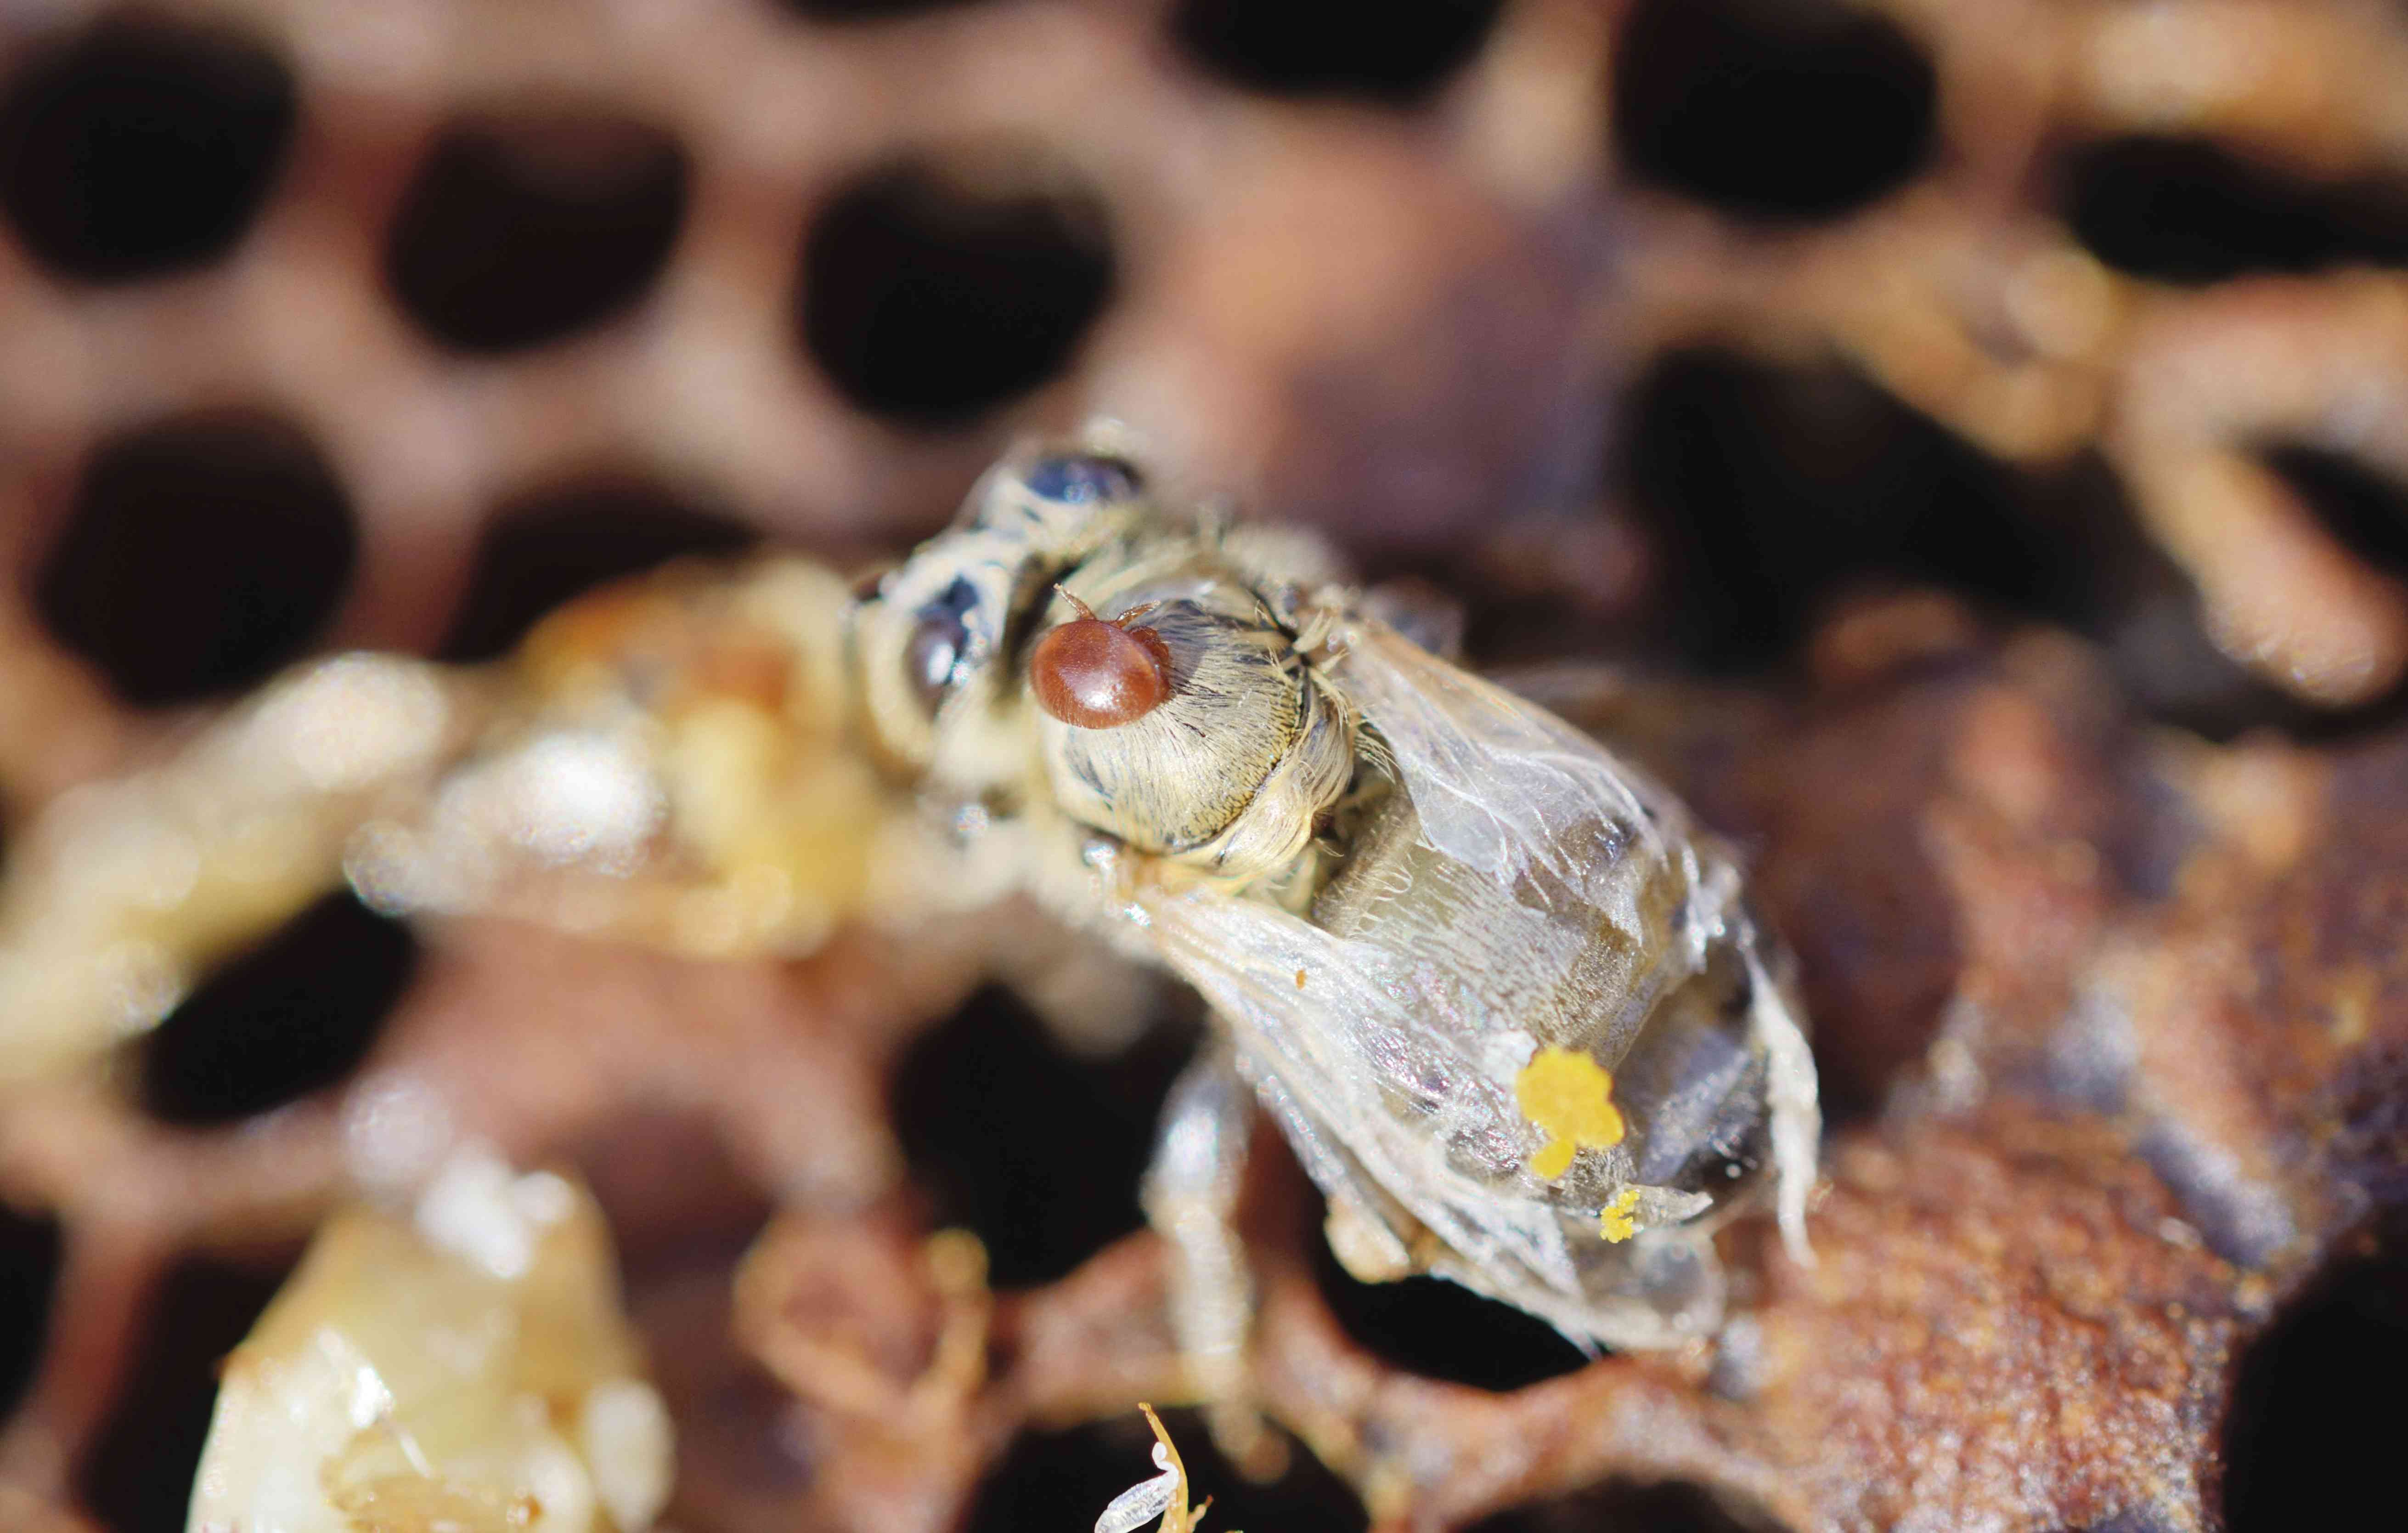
(293, 1014)
(562, 539)
(1443, 1330)
(137, 1476)
(29, 1270)
(871, 10)
(1063, 1479)
(2313, 1426)
(141, 145)
(520, 229)
(1670, 1506)
(1035, 1151)
(1772, 489)
(1391, 53)
(936, 289)
(2190, 210)
(203, 552)
(1778, 110)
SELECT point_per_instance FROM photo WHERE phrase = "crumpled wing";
(1390, 1052)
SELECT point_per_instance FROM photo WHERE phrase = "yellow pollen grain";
(1571, 1097)
(1617, 1223)
(1300, 978)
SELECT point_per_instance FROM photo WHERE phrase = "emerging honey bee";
(1502, 995)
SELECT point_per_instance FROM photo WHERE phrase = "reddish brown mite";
(1092, 673)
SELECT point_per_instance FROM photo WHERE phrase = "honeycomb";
(1970, 428)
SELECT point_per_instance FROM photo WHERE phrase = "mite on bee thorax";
(1097, 675)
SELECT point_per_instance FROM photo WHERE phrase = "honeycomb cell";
(2365, 512)
(29, 1269)
(869, 11)
(1770, 490)
(933, 293)
(1672, 1506)
(2314, 1434)
(141, 146)
(553, 543)
(292, 1015)
(1034, 1151)
(1776, 110)
(1443, 1330)
(138, 1477)
(201, 553)
(518, 230)
(1393, 52)
(1063, 1480)
(2189, 210)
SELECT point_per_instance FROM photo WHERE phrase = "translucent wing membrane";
(1519, 889)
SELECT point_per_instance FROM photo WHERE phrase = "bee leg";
(1791, 1093)
(1190, 1195)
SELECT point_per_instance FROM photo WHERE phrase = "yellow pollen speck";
(1571, 1097)
(1300, 978)
(1616, 1225)
(1552, 1161)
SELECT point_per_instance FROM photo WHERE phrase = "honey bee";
(1501, 994)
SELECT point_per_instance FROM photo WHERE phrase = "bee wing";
(1498, 782)
(1333, 1056)
(1391, 1057)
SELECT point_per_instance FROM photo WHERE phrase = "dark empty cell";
(139, 146)
(1670, 1507)
(674, 1195)
(520, 230)
(2187, 210)
(1442, 1330)
(1772, 108)
(2366, 512)
(1769, 490)
(1393, 51)
(1037, 1152)
(869, 11)
(2315, 1432)
(544, 548)
(1066, 1478)
(202, 553)
(137, 1476)
(293, 1014)
(930, 297)
(29, 1269)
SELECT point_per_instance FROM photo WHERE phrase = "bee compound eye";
(1082, 480)
(1092, 673)
(940, 644)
